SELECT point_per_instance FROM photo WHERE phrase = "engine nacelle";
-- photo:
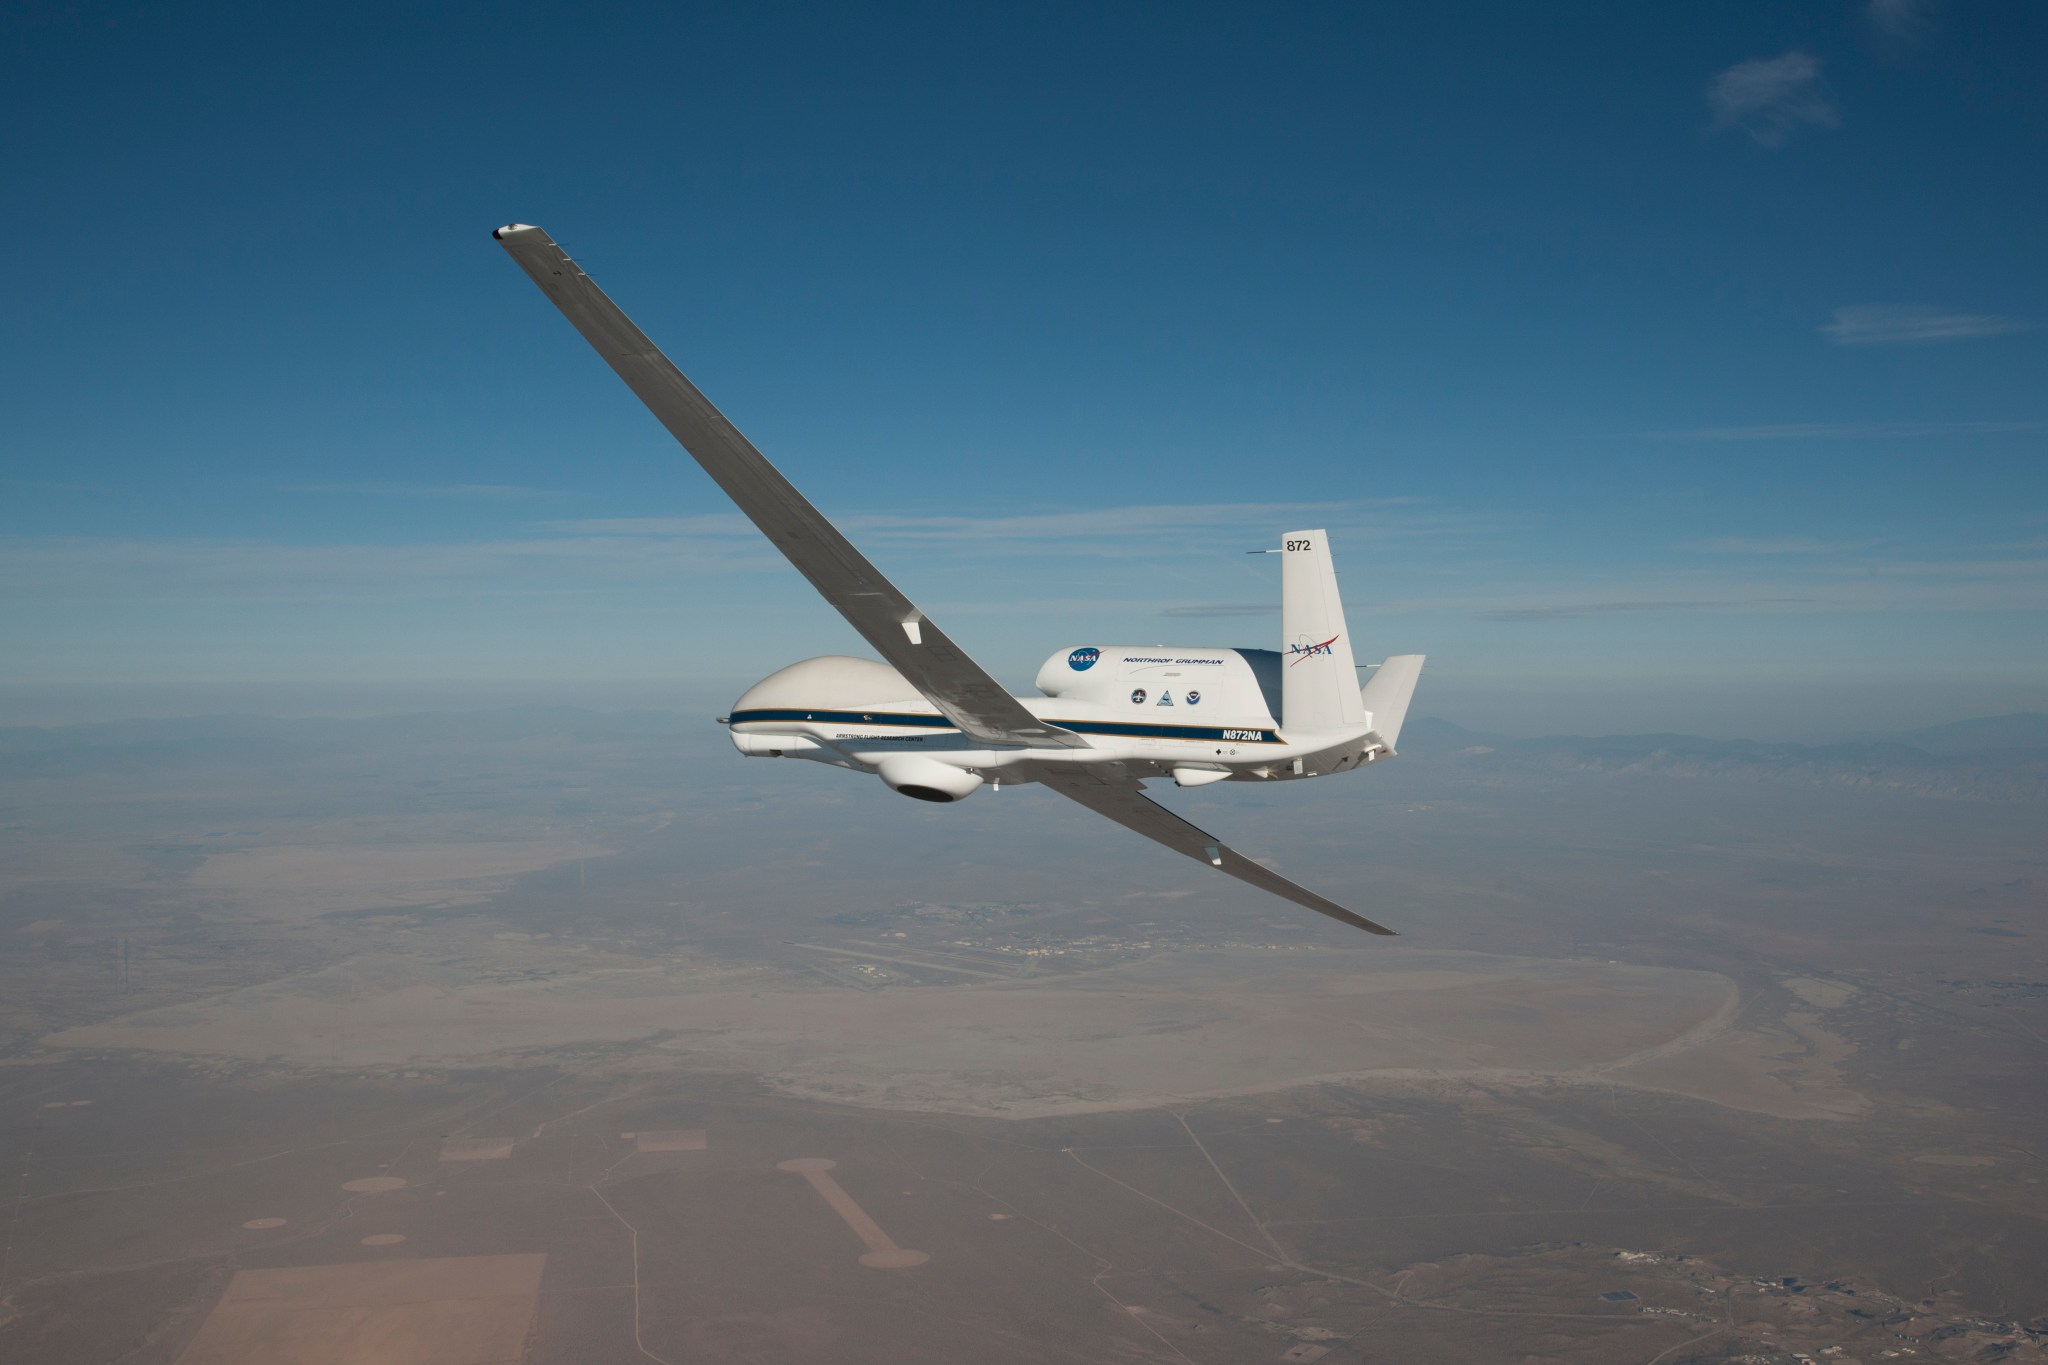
(927, 779)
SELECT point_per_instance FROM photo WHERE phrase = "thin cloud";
(591, 552)
(48, 569)
(1844, 431)
(713, 524)
(1898, 23)
(1979, 569)
(1222, 609)
(1104, 528)
(1771, 98)
(36, 569)
(1084, 523)
(1800, 583)
(1892, 324)
(1570, 611)
(481, 492)
(1788, 545)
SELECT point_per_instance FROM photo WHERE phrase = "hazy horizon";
(1811, 715)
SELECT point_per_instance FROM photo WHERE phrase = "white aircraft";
(931, 723)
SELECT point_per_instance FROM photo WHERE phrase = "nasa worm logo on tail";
(1300, 652)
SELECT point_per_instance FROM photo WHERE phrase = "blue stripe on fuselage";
(1118, 728)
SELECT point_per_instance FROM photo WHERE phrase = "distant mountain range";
(112, 746)
(1998, 758)
(2022, 730)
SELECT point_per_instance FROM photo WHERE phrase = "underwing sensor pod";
(933, 725)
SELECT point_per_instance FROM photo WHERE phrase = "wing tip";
(500, 234)
(1357, 921)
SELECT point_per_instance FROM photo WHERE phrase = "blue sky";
(1672, 367)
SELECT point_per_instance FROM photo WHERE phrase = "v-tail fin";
(1387, 693)
(1318, 677)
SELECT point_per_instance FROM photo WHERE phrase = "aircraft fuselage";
(1196, 715)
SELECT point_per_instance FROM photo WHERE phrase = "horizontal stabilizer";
(1387, 693)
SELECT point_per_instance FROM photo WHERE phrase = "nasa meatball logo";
(1081, 660)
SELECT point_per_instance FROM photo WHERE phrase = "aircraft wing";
(1123, 801)
(888, 620)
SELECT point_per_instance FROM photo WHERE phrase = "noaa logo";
(1194, 698)
(1081, 660)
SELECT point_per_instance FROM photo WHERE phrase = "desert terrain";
(563, 1036)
